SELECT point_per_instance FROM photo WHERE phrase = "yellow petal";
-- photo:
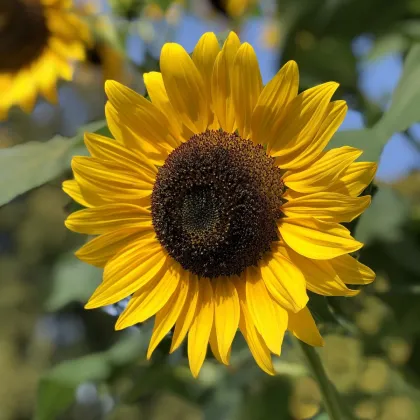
(221, 83)
(352, 271)
(316, 239)
(72, 189)
(159, 97)
(73, 50)
(227, 313)
(185, 87)
(167, 316)
(98, 251)
(148, 300)
(334, 116)
(4, 111)
(63, 68)
(331, 207)
(199, 333)
(273, 102)
(214, 346)
(65, 25)
(125, 132)
(101, 147)
(304, 117)
(141, 115)
(246, 87)
(320, 276)
(282, 320)
(92, 196)
(284, 280)
(304, 328)
(108, 178)
(254, 340)
(186, 317)
(261, 309)
(204, 56)
(132, 268)
(48, 82)
(104, 219)
(324, 172)
(290, 195)
(354, 179)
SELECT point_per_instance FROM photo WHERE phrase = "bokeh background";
(58, 361)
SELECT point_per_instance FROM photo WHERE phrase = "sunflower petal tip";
(232, 36)
(110, 85)
(225, 360)
(171, 46)
(110, 82)
(119, 325)
(277, 352)
(90, 305)
(292, 63)
(270, 370)
(67, 224)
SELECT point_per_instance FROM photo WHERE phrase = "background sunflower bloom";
(218, 206)
(40, 40)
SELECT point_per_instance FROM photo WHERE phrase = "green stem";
(334, 406)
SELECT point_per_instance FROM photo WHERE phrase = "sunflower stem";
(334, 406)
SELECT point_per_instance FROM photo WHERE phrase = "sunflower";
(236, 8)
(216, 206)
(39, 39)
(233, 8)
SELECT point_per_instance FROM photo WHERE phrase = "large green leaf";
(56, 387)
(389, 43)
(385, 217)
(366, 140)
(405, 105)
(27, 166)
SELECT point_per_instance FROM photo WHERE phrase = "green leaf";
(57, 387)
(410, 28)
(388, 44)
(27, 166)
(94, 367)
(385, 217)
(368, 140)
(73, 281)
(52, 399)
(133, 346)
(405, 105)
(320, 309)
(269, 401)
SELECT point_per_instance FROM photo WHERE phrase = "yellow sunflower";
(233, 8)
(236, 8)
(216, 206)
(39, 41)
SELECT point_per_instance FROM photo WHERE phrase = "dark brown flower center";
(215, 204)
(23, 33)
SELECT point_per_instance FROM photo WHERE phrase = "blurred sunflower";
(39, 41)
(233, 8)
(216, 206)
